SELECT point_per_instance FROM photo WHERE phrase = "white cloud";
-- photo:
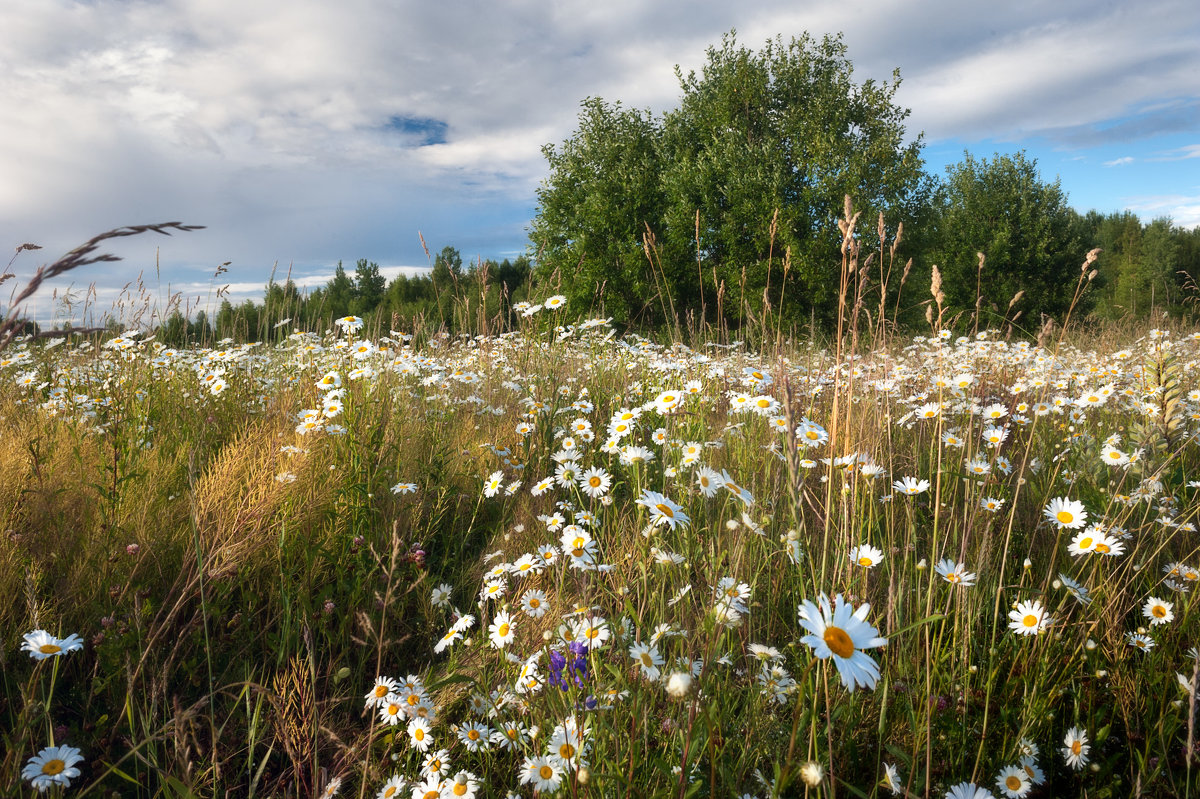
(281, 125)
(1183, 209)
(1128, 159)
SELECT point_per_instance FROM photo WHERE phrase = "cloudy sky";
(308, 131)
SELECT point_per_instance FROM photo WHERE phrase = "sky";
(305, 132)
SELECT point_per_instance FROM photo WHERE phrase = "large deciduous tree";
(753, 163)
(1029, 236)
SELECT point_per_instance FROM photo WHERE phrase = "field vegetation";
(563, 560)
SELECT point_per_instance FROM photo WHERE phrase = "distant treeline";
(478, 297)
(1145, 269)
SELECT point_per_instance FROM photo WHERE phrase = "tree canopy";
(749, 170)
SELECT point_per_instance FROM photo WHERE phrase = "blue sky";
(308, 131)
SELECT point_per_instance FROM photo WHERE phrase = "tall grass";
(241, 582)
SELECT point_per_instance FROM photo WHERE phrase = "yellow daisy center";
(1102, 548)
(391, 791)
(545, 772)
(381, 691)
(839, 642)
(419, 734)
(1084, 543)
(49, 649)
(460, 788)
(665, 511)
(594, 481)
(1076, 746)
(647, 661)
(566, 751)
(1158, 611)
(473, 734)
(1030, 620)
(503, 630)
(1013, 783)
(413, 699)
(953, 577)
(432, 795)
(864, 561)
(53, 767)
(1065, 516)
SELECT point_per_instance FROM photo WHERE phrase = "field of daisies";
(566, 562)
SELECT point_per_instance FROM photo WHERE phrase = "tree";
(369, 286)
(756, 160)
(339, 294)
(1028, 234)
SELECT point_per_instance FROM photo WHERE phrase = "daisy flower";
(41, 644)
(866, 556)
(968, 790)
(648, 659)
(1028, 618)
(1139, 641)
(501, 631)
(891, 778)
(1158, 611)
(420, 733)
(911, 486)
(544, 773)
(1014, 782)
(663, 510)
(1068, 514)
(475, 736)
(53, 765)
(1075, 748)
(394, 787)
(955, 573)
(533, 603)
(837, 630)
(384, 687)
(595, 482)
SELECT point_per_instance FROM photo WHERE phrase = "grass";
(240, 585)
(264, 546)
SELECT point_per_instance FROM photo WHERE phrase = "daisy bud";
(546, 635)
(583, 775)
(1028, 563)
(1057, 584)
(1090, 645)
(922, 566)
(973, 669)
(812, 773)
(1101, 674)
(731, 525)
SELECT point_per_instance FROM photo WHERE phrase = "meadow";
(562, 561)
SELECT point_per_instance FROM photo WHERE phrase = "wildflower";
(708, 481)
(1075, 589)
(493, 484)
(404, 488)
(53, 765)
(1158, 611)
(1075, 748)
(384, 687)
(1031, 768)
(533, 603)
(428, 788)
(891, 778)
(475, 736)
(392, 788)
(968, 790)
(955, 573)
(1066, 513)
(501, 631)
(911, 486)
(663, 510)
(543, 773)
(440, 596)
(595, 482)
(840, 632)
(1013, 782)
(1028, 618)
(391, 710)
(419, 733)
(866, 556)
(436, 764)
(1139, 641)
(331, 788)
(41, 644)
(991, 504)
(668, 401)
(555, 302)
(1083, 543)
(647, 657)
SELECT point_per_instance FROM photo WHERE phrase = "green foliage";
(754, 163)
(1025, 230)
